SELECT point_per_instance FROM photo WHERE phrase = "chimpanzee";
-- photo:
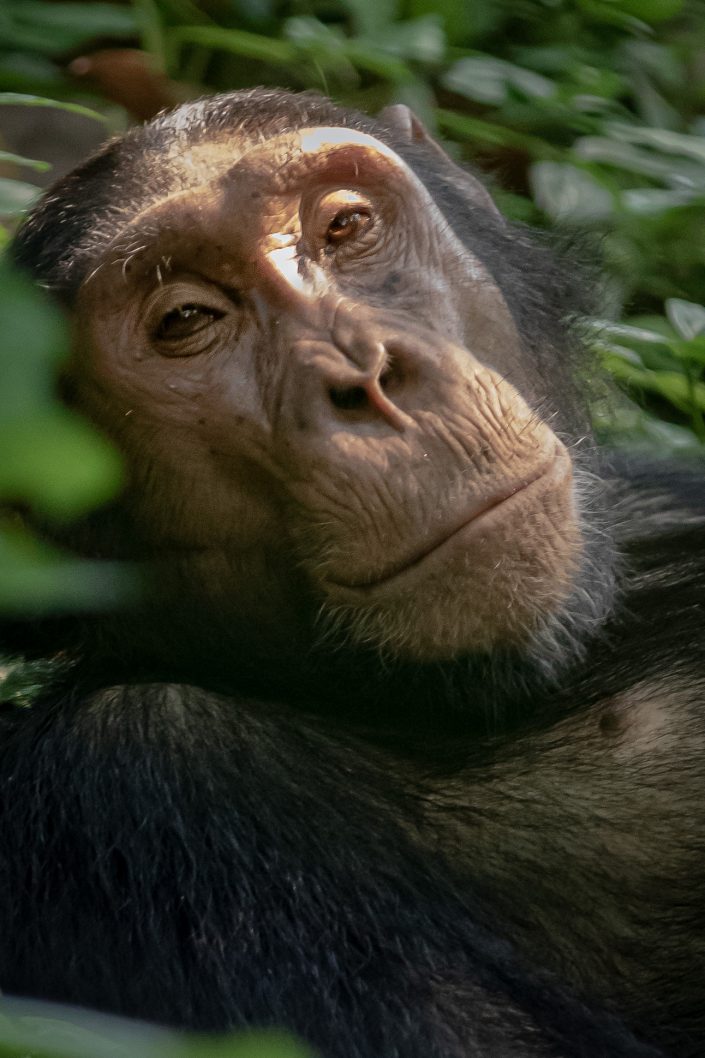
(402, 747)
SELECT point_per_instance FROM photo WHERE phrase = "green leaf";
(55, 462)
(606, 11)
(625, 330)
(622, 11)
(663, 140)
(376, 61)
(480, 79)
(692, 350)
(687, 317)
(676, 172)
(675, 386)
(20, 99)
(149, 20)
(418, 40)
(487, 132)
(568, 194)
(463, 22)
(489, 80)
(647, 201)
(28, 353)
(23, 72)
(93, 19)
(27, 163)
(370, 17)
(259, 1044)
(16, 196)
(312, 35)
(36, 578)
(35, 25)
(622, 352)
(50, 459)
(38, 1030)
(237, 41)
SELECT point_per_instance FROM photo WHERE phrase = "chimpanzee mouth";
(550, 475)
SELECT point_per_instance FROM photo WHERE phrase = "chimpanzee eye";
(347, 224)
(184, 321)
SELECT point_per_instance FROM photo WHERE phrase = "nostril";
(348, 398)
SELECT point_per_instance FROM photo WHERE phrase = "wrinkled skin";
(335, 407)
(384, 704)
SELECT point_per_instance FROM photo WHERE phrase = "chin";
(501, 581)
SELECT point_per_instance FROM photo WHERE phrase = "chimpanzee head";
(340, 382)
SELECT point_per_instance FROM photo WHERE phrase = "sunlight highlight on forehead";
(313, 141)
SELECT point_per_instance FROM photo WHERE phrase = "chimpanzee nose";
(369, 394)
(347, 385)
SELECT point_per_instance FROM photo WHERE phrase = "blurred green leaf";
(370, 17)
(692, 350)
(52, 462)
(464, 23)
(36, 25)
(624, 12)
(36, 1030)
(16, 196)
(676, 172)
(489, 80)
(649, 200)
(32, 339)
(568, 194)
(239, 42)
(487, 132)
(623, 330)
(149, 21)
(56, 463)
(663, 140)
(687, 318)
(27, 73)
(8, 158)
(20, 99)
(672, 385)
(420, 40)
(37, 578)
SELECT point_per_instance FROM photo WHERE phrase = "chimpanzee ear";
(403, 121)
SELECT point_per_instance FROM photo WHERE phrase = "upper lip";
(501, 495)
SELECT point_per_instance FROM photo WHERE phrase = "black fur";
(205, 862)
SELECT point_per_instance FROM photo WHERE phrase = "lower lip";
(551, 474)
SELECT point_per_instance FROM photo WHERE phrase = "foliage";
(52, 462)
(41, 1030)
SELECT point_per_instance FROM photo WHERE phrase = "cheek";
(193, 437)
(119, 376)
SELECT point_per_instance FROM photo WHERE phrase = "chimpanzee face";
(305, 369)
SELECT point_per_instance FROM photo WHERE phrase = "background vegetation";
(587, 114)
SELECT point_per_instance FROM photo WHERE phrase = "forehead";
(280, 160)
(238, 195)
(67, 232)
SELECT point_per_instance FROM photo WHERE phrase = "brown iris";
(347, 224)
